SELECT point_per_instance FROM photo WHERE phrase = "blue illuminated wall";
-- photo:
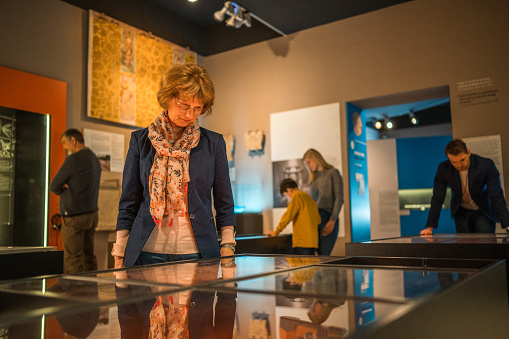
(418, 160)
(358, 178)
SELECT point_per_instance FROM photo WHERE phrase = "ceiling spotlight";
(239, 16)
(388, 122)
(219, 15)
(413, 118)
(230, 22)
(378, 124)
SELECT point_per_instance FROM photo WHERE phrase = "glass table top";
(334, 282)
(465, 238)
(207, 314)
(210, 270)
(224, 298)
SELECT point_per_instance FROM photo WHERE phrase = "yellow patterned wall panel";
(125, 69)
(154, 58)
(105, 70)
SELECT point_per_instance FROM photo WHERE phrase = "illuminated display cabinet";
(273, 296)
(24, 177)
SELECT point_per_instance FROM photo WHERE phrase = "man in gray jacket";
(77, 184)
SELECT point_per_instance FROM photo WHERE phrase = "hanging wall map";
(125, 66)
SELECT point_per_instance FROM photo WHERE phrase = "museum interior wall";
(412, 46)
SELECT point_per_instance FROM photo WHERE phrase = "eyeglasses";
(185, 108)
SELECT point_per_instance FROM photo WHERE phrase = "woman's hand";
(329, 226)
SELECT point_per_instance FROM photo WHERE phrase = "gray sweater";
(327, 191)
(81, 171)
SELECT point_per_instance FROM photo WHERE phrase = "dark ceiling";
(191, 24)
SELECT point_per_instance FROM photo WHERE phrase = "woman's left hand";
(329, 226)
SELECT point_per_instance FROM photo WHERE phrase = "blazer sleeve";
(222, 189)
(132, 188)
(437, 200)
(496, 194)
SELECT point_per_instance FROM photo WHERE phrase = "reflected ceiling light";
(413, 118)
(239, 16)
(378, 124)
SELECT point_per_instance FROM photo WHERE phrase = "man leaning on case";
(477, 201)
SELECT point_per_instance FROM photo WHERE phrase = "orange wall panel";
(33, 93)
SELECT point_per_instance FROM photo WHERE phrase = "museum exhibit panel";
(261, 296)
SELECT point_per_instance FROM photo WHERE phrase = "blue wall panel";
(418, 160)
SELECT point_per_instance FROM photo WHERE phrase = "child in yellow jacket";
(303, 212)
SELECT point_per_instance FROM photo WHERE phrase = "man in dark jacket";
(77, 184)
(477, 201)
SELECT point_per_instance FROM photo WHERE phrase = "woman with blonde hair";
(327, 190)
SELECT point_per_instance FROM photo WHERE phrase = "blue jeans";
(326, 244)
(304, 250)
(147, 258)
(468, 221)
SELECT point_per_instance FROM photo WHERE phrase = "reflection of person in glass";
(326, 188)
(331, 282)
(80, 324)
(173, 172)
(184, 314)
(477, 201)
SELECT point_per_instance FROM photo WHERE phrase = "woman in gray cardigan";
(327, 190)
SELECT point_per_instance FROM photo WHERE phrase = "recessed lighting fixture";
(413, 118)
(388, 122)
(192, 0)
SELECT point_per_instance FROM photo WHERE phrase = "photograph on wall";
(289, 169)
(125, 66)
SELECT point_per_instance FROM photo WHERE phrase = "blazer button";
(192, 304)
(191, 216)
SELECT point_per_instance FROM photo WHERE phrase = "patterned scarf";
(169, 174)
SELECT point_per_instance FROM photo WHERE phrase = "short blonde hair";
(189, 81)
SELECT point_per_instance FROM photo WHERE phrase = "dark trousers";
(469, 221)
(304, 250)
(78, 240)
(326, 244)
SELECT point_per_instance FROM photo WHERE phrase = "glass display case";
(24, 177)
(256, 296)
(454, 245)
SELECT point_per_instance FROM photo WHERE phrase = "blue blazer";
(208, 170)
(483, 185)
